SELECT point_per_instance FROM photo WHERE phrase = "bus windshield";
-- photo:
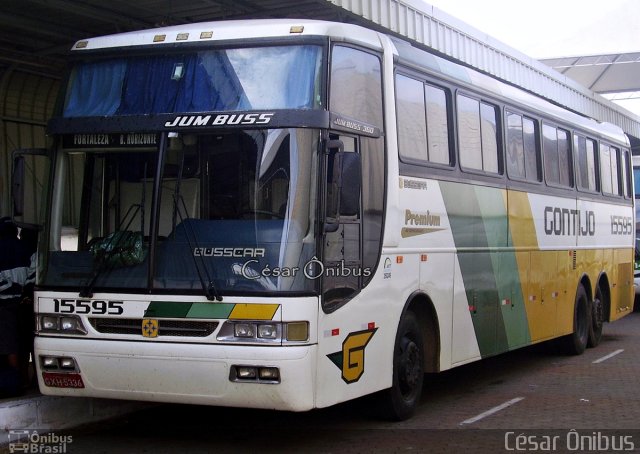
(276, 77)
(235, 214)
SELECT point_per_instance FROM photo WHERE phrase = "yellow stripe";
(523, 230)
(244, 311)
(532, 264)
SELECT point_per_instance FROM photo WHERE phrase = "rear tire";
(597, 320)
(401, 400)
(576, 342)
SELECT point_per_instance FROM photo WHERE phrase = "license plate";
(56, 380)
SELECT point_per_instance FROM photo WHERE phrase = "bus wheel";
(597, 319)
(575, 343)
(401, 400)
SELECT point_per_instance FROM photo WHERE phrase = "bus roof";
(229, 30)
(277, 28)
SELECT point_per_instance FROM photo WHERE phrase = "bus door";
(343, 227)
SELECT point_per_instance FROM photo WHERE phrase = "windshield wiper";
(104, 262)
(208, 286)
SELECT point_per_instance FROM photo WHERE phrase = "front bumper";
(184, 373)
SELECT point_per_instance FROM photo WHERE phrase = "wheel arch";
(422, 306)
(585, 281)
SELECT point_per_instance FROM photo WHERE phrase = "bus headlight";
(269, 331)
(61, 324)
(49, 322)
(264, 333)
(244, 330)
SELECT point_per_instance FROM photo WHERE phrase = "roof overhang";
(610, 73)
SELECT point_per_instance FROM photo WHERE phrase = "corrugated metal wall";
(26, 103)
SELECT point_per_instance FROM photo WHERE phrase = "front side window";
(355, 179)
(356, 85)
(276, 77)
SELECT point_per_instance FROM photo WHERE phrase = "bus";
(289, 214)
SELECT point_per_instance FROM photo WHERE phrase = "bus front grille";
(133, 326)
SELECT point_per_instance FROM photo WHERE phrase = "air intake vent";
(133, 326)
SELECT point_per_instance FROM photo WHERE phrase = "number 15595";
(97, 307)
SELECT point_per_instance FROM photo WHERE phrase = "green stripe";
(514, 317)
(176, 309)
(479, 224)
(167, 309)
(208, 310)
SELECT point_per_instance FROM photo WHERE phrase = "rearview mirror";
(344, 181)
(351, 183)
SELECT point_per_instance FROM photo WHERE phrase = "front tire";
(401, 400)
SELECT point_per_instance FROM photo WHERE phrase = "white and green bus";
(289, 214)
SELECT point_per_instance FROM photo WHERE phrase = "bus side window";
(585, 150)
(523, 150)
(626, 181)
(478, 134)
(556, 148)
(422, 120)
(605, 169)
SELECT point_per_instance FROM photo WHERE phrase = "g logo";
(351, 359)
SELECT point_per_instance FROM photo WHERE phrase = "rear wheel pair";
(588, 318)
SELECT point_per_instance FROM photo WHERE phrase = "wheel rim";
(598, 312)
(410, 370)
